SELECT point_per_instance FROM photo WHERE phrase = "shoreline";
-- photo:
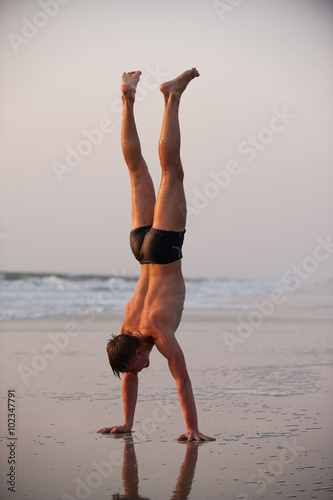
(268, 402)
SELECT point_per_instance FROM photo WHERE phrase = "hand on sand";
(194, 436)
(115, 429)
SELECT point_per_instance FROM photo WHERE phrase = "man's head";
(127, 354)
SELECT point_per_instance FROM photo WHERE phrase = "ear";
(139, 352)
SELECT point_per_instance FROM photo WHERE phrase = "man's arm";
(130, 394)
(170, 348)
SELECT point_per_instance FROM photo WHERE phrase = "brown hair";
(121, 349)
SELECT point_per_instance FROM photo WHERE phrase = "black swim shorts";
(156, 246)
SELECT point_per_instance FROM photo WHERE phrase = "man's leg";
(170, 207)
(143, 194)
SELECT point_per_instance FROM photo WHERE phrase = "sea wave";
(29, 295)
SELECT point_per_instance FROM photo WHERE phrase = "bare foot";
(179, 84)
(129, 82)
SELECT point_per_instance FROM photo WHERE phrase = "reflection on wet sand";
(130, 473)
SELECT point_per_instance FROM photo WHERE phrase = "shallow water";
(268, 403)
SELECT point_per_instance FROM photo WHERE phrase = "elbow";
(183, 382)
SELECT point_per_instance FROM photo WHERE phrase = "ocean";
(28, 295)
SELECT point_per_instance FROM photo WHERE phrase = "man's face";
(138, 363)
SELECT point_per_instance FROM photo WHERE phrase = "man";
(153, 314)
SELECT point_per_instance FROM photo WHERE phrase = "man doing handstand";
(153, 314)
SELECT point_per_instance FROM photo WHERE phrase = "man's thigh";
(143, 199)
(170, 206)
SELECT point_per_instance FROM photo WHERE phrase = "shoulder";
(132, 315)
(166, 342)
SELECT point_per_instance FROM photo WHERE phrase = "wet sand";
(266, 398)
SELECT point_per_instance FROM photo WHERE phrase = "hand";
(194, 436)
(119, 429)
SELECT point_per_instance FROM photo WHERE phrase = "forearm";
(170, 348)
(187, 401)
(130, 394)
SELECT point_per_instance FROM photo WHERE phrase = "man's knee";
(174, 172)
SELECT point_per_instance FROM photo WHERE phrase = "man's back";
(158, 301)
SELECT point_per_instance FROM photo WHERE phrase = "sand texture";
(265, 397)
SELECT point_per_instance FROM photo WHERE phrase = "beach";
(262, 390)
(135, 134)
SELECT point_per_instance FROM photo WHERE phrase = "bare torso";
(157, 304)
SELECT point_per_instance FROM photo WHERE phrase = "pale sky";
(261, 110)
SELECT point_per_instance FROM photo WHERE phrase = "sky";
(256, 133)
